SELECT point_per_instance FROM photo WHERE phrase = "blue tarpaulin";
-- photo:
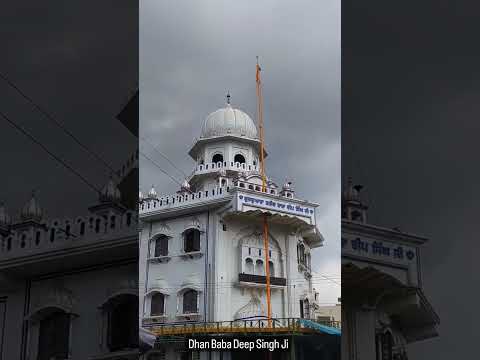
(319, 327)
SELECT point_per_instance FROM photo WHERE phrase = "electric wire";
(160, 168)
(164, 156)
(58, 159)
(47, 115)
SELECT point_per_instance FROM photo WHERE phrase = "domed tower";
(31, 215)
(109, 200)
(228, 146)
(353, 209)
(32, 211)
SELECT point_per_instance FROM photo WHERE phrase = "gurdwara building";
(202, 248)
(384, 307)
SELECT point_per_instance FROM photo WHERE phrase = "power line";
(164, 156)
(56, 122)
(333, 281)
(31, 137)
(159, 168)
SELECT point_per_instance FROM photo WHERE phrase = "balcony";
(260, 279)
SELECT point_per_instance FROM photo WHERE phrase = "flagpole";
(264, 189)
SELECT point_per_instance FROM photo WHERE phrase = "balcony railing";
(260, 279)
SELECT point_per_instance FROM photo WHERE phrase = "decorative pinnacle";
(228, 97)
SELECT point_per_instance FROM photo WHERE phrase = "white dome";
(229, 121)
(32, 210)
(110, 192)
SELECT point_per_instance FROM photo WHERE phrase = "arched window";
(217, 158)
(239, 158)
(301, 254)
(190, 298)
(54, 336)
(249, 266)
(191, 240)
(157, 306)
(271, 268)
(306, 309)
(161, 246)
(122, 317)
(259, 268)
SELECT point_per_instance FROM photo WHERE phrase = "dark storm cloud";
(79, 62)
(192, 53)
(410, 134)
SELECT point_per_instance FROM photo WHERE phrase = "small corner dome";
(229, 121)
(152, 194)
(351, 192)
(110, 192)
(32, 210)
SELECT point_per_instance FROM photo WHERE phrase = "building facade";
(329, 313)
(383, 304)
(202, 250)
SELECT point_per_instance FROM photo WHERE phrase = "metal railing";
(254, 325)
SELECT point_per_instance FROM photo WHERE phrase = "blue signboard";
(276, 205)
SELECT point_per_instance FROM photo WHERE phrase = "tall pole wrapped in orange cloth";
(264, 189)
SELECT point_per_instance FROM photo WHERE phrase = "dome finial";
(228, 97)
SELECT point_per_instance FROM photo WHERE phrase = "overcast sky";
(80, 64)
(192, 53)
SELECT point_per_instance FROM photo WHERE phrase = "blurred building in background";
(329, 313)
(383, 304)
(69, 287)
